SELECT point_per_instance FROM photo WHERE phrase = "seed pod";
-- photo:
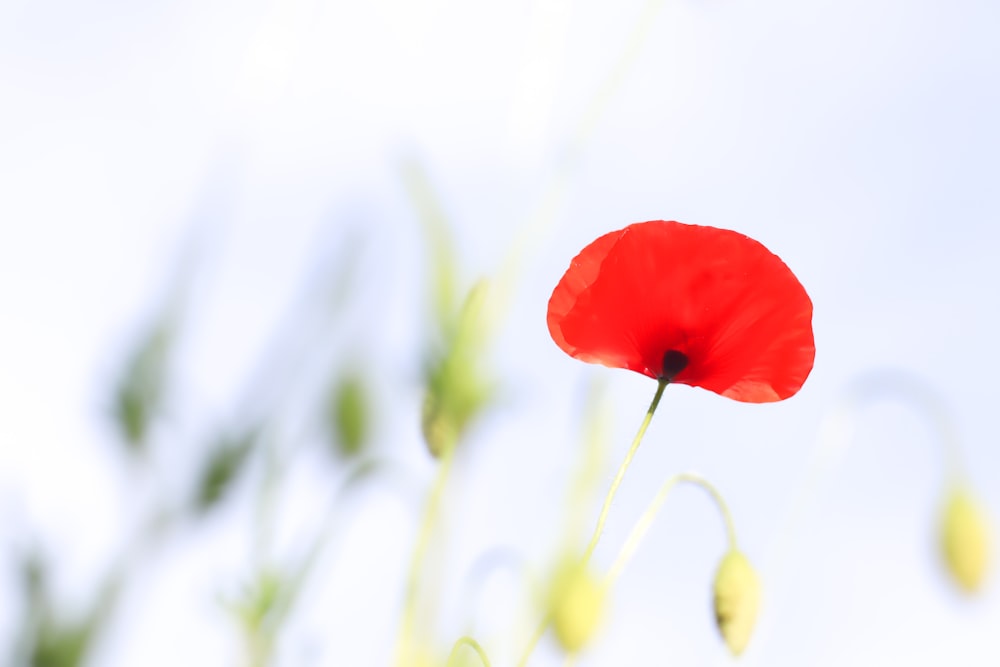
(737, 600)
(576, 605)
(965, 539)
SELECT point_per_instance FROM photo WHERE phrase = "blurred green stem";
(544, 215)
(837, 433)
(471, 643)
(432, 509)
(533, 642)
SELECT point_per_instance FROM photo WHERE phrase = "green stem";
(642, 526)
(603, 516)
(837, 434)
(471, 643)
(533, 642)
(431, 510)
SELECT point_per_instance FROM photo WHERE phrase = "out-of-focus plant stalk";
(836, 435)
(541, 218)
(407, 628)
(472, 644)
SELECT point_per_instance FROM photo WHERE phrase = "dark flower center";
(673, 363)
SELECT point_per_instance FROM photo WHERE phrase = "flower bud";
(737, 600)
(965, 539)
(576, 605)
(438, 425)
(457, 390)
(348, 416)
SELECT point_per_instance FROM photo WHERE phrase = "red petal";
(723, 300)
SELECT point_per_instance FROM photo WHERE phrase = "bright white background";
(857, 140)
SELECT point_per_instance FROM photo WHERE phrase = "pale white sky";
(857, 140)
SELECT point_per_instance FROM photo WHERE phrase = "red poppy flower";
(693, 305)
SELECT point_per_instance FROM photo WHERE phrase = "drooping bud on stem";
(737, 600)
(965, 539)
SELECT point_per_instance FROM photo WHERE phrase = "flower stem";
(471, 643)
(431, 511)
(603, 516)
(533, 642)
(620, 475)
(642, 526)
(837, 433)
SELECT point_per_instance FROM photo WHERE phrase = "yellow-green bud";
(576, 605)
(737, 600)
(348, 415)
(456, 389)
(438, 425)
(965, 539)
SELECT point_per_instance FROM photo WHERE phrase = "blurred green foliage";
(261, 610)
(140, 393)
(457, 388)
(49, 638)
(437, 232)
(226, 461)
(61, 646)
(348, 415)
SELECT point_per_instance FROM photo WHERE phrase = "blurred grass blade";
(438, 233)
(348, 415)
(48, 639)
(457, 388)
(226, 461)
(140, 394)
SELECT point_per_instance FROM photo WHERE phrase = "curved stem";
(836, 434)
(533, 642)
(642, 526)
(431, 510)
(617, 75)
(620, 475)
(471, 643)
(481, 571)
(537, 224)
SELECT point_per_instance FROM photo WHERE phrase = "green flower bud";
(348, 417)
(226, 461)
(141, 392)
(439, 426)
(457, 389)
(965, 539)
(576, 605)
(737, 600)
